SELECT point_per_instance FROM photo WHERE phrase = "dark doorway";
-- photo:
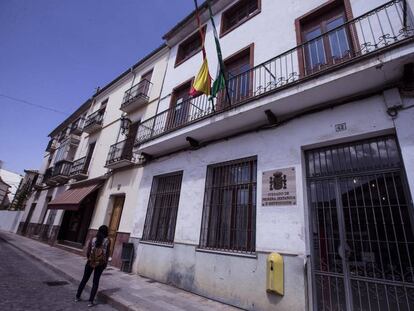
(75, 224)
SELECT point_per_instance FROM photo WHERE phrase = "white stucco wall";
(272, 31)
(282, 229)
(122, 181)
(9, 220)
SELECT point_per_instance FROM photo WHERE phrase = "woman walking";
(97, 254)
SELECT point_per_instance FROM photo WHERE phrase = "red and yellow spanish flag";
(202, 82)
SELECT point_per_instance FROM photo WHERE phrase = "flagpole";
(199, 29)
(220, 59)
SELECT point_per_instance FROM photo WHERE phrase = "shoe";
(77, 299)
(90, 304)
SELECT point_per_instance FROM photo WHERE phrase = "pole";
(220, 58)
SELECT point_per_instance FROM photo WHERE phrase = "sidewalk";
(122, 291)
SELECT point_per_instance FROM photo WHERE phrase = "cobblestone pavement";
(23, 285)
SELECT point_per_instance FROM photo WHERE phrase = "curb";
(119, 303)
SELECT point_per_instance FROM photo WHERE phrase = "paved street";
(23, 285)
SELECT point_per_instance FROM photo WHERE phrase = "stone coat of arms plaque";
(279, 187)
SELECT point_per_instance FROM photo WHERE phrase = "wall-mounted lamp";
(125, 122)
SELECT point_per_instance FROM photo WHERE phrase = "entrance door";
(115, 219)
(361, 227)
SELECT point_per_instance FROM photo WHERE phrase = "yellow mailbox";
(274, 277)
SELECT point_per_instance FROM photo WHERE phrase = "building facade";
(307, 153)
(9, 184)
(90, 164)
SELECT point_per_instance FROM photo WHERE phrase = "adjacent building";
(307, 153)
(9, 184)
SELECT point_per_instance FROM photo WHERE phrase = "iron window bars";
(229, 213)
(162, 209)
(377, 29)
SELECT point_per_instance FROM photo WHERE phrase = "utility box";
(274, 274)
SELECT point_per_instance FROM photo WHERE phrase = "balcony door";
(180, 105)
(239, 77)
(144, 89)
(130, 141)
(321, 51)
(89, 157)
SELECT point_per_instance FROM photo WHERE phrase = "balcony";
(61, 171)
(51, 146)
(79, 169)
(77, 127)
(94, 122)
(136, 97)
(293, 81)
(120, 155)
(47, 177)
(39, 184)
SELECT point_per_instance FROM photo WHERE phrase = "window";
(322, 50)
(103, 104)
(147, 76)
(127, 151)
(62, 152)
(180, 107)
(144, 86)
(88, 159)
(189, 47)
(162, 208)
(238, 14)
(229, 213)
(239, 76)
(36, 196)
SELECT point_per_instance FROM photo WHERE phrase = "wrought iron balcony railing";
(120, 152)
(47, 175)
(39, 184)
(139, 92)
(94, 120)
(51, 145)
(79, 167)
(62, 168)
(379, 28)
(77, 126)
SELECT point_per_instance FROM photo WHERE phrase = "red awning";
(72, 198)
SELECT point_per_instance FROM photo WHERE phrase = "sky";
(54, 53)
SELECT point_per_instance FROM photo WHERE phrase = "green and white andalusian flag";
(220, 82)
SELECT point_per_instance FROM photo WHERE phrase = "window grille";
(162, 208)
(229, 214)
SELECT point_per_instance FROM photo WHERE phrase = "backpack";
(97, 256)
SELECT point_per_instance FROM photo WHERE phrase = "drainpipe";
(163, 79)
